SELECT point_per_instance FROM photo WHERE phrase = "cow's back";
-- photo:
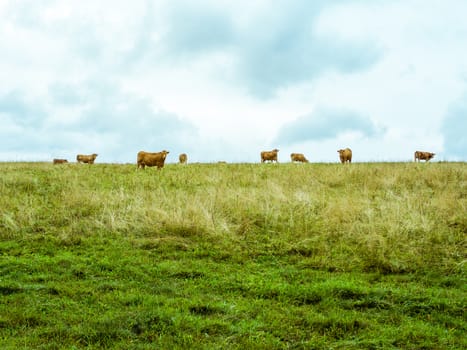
(140, 156)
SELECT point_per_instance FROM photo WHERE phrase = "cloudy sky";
(224, 80)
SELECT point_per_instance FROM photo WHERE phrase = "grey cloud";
(143, 44)
(64, 94)
(303, 58)
(28, 140)
(194, 29)
(274, 47)
(111, 123)
(131, 122)
(326, 124)
(453, 130)
(24, 125)
(25, 113)
(25, 128)
(281, 48)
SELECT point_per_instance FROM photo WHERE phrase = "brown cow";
(298, 157)
(60, 161)
(345, 155)
(182, 158)
(81, 158)
(269, 155)
(145, 159)
(426, 156)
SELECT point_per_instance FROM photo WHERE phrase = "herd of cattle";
(157, 159)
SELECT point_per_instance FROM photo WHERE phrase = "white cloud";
(225, 80)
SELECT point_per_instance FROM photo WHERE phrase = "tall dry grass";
(394, 217)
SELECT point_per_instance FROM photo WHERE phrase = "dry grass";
(395, 217)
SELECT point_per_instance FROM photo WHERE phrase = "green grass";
(233, 256)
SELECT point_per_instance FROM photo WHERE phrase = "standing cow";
(81, 158)
(426, 156)
(182, 158)
(157, 159)
(269, 155)
(298, 157)
(345, 155)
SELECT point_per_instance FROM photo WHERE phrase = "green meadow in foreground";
(233, 256)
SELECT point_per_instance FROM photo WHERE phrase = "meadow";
(233, 256)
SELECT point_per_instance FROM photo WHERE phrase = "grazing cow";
(182, 158)
(145, 159)
(426, 156)
(81, 158)
(271, 155)
(298, 157)
(345, 155)
(60, 161)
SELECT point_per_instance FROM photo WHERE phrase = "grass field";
(233, 256)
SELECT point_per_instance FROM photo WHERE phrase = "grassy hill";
(360, 256)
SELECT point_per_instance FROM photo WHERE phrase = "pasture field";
(233, 256)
